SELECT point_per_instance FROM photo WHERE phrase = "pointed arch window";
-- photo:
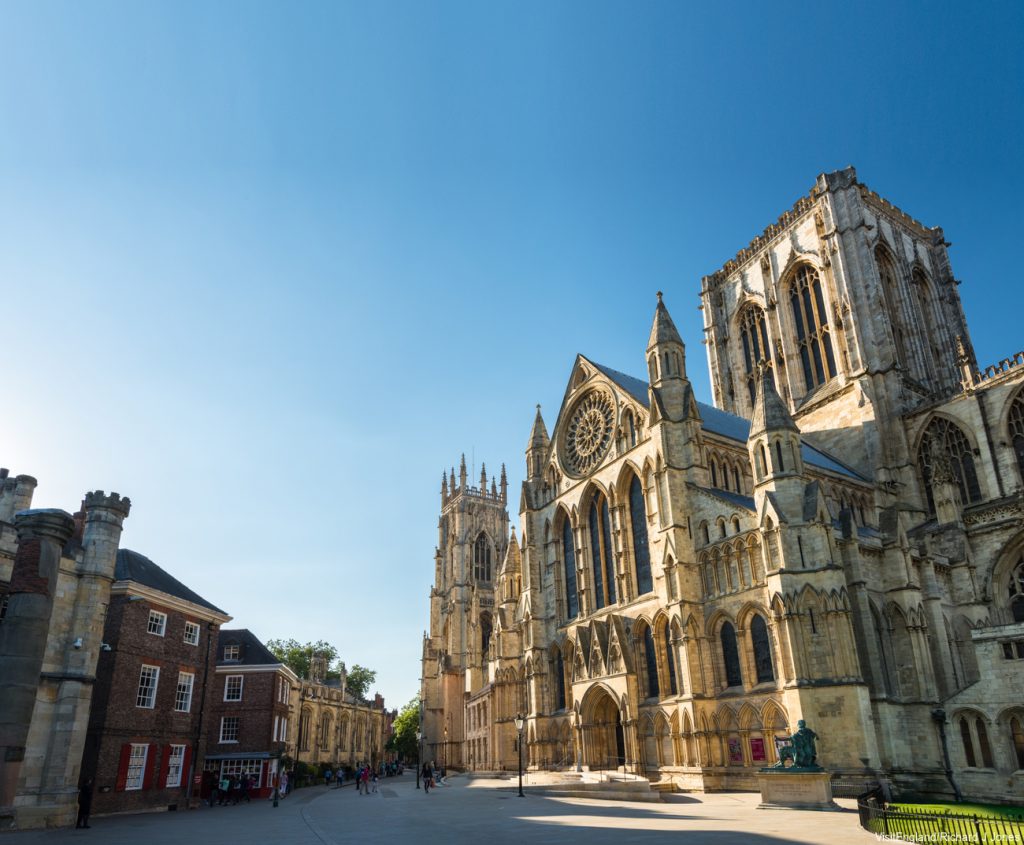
(559, 681)
(1016, 426)
(1016, 592)
(757, 354)
(595, 556)
(606, 545)
(486, 627)
(899, 317)
(572, 599)
(641, 552)
(762, 650)
(670, 662)
(482, 558)
(814, 339)
(1017, 735)
(945, 438)
(730, 656)
(965, 738)
(651, 661)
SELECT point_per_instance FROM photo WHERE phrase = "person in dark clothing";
(426, 776)
(84, 803)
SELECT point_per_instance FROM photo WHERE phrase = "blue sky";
(268, 268)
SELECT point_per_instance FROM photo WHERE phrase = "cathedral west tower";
(473, 532)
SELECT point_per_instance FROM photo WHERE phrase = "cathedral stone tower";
(473, 533)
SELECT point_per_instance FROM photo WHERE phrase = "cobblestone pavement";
(470, 810)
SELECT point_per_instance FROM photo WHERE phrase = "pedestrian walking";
(327, 778)
(425, 775)
(374, 781)
(282, 787)
(84, 803)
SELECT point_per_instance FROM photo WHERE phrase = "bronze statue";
(801, 750)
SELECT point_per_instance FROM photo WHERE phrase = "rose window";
(589, 433)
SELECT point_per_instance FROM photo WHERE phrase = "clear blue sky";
(268, 268)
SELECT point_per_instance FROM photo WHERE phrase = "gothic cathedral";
(839, 538)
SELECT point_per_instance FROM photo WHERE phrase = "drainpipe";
(939, 717)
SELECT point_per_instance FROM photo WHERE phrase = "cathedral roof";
(746, 502)
(717, 421)
(132, 566)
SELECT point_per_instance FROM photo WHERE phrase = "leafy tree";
(403, 735)
(296, 656)
(359, 679)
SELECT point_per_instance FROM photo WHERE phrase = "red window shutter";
(165, 765)
(147, 780)
(122, 767)
(184, 768)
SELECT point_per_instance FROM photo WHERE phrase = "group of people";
(231, 789)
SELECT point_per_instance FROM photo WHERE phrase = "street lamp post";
(444, 754)
(519, 730)
(419, 754)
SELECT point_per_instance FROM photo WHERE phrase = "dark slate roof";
(717, 421)
(735, 498)
(131, 566)
(251, 653)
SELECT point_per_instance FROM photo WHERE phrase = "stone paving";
(477, 810)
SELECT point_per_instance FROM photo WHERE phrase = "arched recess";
(944, 440)
(760, 643)
(604, 742)
(666, 657)
(932, 325)
(907, 671)
(558, 683)
(648, 653)
(1011, 724)
(973, 730)
(811, 323)
(882, 674)
(904, 328)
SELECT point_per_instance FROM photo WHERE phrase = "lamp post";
(419, 754)
(519, 730)
(444, 754)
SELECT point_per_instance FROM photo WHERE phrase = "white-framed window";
(183, 695)
(229, 729)
(192, 633)
(252, 768)
(283, 688)
(136, 766)
(284, 729)
(175, 762)
(232, 652)
(148, 679)
(157, 623)
(233, 688)
(277, 725)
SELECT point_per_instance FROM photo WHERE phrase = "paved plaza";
(479, 810)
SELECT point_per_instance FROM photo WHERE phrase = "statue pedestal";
(795, 789)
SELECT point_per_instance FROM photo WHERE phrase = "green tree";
(296, 656)
(359, 679)
(403, 731)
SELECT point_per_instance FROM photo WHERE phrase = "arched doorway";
(604, 741)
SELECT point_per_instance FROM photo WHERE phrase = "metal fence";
(938, 828)
(852, 787)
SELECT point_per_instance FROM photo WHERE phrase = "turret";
(15, 494)
(537, 448)
(504, 485)
(774, 438)
(666, 363)
(462, 473)
(483, 478)
(444, 487)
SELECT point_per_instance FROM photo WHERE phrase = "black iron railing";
(938, 828)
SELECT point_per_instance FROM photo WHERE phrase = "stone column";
(41, 537)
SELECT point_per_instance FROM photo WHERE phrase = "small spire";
(663, 330)
(444, 483)
(504, 484)
(462, 472)
(494, 488)
(539, 432)
(451, 485)
(483, 477)
(770, 412)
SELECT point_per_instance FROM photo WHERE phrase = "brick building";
(152, 700)
(250, 709)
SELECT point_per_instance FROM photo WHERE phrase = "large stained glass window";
(756, 351)
(730, 656)
(762, 650)
(651, 658)
(812, 331)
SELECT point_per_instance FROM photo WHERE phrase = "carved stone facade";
(56, 572)
(839, 539)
